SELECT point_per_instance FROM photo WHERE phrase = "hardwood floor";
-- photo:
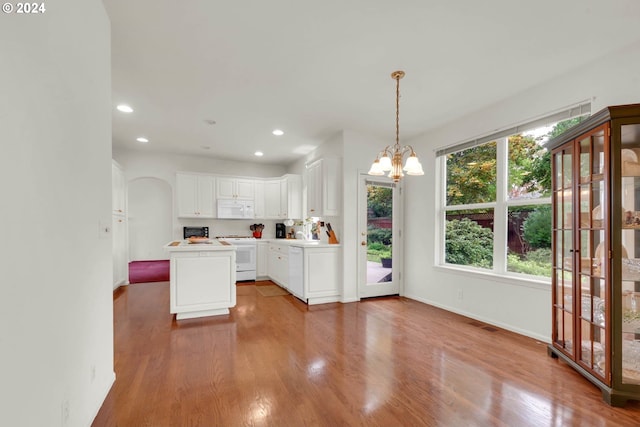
(385, 362)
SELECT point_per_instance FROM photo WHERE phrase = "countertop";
(301, 243)
(185, 246)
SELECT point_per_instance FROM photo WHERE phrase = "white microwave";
(235, 209)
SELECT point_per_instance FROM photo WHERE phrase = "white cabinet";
(235, 188)
(314, 189)
(322, 275)
(274, 198)
(278, 264)
(293, 196)
(258, 205)
(273, 208)
(323, 188)
(262, 260)
(283, 197)
(314, 274)
(119, 226)
(195, 195)
(202, 282)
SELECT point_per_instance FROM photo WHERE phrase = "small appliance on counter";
(257, 230)
(195, 232)
(281, 232)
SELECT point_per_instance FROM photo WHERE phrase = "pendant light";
(390, 158)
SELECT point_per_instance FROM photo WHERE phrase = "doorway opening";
(379, 202)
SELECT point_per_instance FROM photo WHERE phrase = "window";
(496, 207)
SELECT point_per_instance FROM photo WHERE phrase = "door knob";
(363, 243)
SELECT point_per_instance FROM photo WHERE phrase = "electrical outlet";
(460, 295)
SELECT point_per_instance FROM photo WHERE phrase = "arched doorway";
(150, 208)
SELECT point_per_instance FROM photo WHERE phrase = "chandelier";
(390, 158)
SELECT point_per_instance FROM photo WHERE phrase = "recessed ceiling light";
(258, 153)
(142, 139)
(124, 108)
(277, 132)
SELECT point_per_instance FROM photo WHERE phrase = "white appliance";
(245, 256)
(235, 209)
(296, 272)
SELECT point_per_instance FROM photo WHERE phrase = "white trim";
(578, 109)
(500, 208)
(104, 394)
(514, 279)
(470, 315)
(398, 238)
(500, 217)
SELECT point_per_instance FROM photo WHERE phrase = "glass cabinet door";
(592, 256)
(630, 253)
(563, 262)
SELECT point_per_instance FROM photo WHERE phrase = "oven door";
(245, 257)
(245, 262)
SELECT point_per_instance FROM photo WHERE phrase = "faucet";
(304, 236)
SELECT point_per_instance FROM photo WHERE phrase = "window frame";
(500, 209)
(502, 202)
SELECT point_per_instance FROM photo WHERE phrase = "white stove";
(236, 238)
(245, 255)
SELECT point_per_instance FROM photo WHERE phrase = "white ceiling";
(314, 68)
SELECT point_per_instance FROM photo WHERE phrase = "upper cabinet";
(293, 196)
(273, 208)
(283, 197)
(195, 194)
(235, 188)
(596, 246)
(323, 188)
(274, 198)
(258, 206)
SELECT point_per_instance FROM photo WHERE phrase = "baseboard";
(525, 332)
(323, 300)
(104, 396)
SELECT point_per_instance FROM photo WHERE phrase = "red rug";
(149, 271)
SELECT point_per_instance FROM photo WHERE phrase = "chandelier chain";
(397, 110)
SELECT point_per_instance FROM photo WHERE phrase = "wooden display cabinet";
(596, 251)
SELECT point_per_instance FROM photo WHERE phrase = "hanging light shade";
(390, 158)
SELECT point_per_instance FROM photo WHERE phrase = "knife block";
(332, 238)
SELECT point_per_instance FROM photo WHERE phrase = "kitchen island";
(202, 279)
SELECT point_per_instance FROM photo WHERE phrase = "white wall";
(140, 164)
(519, 307)
(56, 327)
(359, 152)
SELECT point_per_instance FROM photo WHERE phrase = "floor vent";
(483, 326)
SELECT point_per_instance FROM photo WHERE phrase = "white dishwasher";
(296, 272)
